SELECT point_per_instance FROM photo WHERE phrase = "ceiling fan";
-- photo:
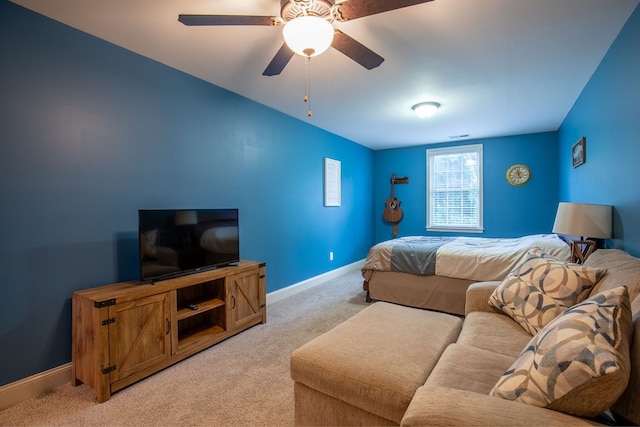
(328, 12)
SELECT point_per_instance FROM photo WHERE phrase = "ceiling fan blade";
(279, 61)
(356, 50)
(226, 20)
(352, 9)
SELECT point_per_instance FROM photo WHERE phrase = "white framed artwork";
(332, 182)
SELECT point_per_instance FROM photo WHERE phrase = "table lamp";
(587, 221)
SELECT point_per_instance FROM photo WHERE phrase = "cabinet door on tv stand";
(246, 299)
(139, 335)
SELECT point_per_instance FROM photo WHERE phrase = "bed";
(434, 272)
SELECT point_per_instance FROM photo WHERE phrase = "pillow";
(579, 363)
(541, 287)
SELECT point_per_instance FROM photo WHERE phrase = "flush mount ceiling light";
(308, 35)
(425, 110)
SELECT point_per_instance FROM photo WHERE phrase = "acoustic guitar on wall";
(392, 212)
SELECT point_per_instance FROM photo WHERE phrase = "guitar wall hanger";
(399, 180)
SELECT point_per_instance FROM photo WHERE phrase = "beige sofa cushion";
(541, 287)
(624, 269)
(629, 403)
(445, 406)
(469, 368)
(495, 332)
(477, 297)
(577, 364)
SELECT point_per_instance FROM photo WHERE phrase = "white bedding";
(472, 258)
(483, 259)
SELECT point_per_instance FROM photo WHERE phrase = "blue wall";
(91, 133)
(607, 114)
(509, 211)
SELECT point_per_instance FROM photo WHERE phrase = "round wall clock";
(518, 174)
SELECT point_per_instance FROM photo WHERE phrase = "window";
(454, 188)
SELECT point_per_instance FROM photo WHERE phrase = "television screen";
(183, 241)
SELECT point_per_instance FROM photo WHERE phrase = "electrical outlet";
(331, 256)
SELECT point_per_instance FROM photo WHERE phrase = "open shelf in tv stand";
(127, 331)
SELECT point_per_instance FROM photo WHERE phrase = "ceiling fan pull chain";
(307, 84)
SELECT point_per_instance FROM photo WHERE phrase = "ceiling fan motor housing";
(291, 9)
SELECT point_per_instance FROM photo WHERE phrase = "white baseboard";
(46, 381)
(34, 385)
(310, 283)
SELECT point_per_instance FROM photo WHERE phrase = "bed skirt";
(438, 293)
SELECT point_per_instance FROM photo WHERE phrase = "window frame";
(431, 153)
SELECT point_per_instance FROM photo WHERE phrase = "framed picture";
(332, 182)
(578, 152)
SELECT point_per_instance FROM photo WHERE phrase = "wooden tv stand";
(127, 331)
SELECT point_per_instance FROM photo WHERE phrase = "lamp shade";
(584, 220)
(308, 35)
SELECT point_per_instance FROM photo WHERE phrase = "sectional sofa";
(527, 352)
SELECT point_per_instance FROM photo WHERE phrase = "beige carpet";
(243, 381)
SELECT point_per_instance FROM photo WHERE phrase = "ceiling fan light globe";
(308, 35)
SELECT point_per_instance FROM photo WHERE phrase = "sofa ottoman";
(367, 369)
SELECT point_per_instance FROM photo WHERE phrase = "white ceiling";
(498, 67)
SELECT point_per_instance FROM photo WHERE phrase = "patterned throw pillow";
(541, 287)
(579, 363)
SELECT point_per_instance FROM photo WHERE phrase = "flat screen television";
(175, 242)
